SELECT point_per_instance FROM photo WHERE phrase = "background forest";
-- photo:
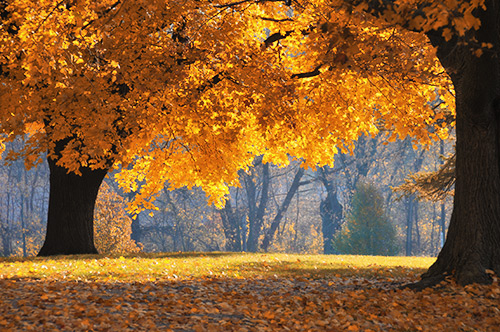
(276, 209)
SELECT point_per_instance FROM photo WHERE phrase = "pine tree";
(367, 231)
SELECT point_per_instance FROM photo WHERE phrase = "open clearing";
(236, 292)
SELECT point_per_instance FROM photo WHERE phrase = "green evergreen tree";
(367, 230)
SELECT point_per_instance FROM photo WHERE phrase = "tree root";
(465, 275)
(424, 283)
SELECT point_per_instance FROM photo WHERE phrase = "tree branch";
(313, 73)
(237, 3)
(276, 19)
(277, 36)
(268, 237)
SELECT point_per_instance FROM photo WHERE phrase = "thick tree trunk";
(473, 241)
(70, 223)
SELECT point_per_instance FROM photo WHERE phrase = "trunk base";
(70, 221)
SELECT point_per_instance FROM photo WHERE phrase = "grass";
(235, 292)
(209, 265)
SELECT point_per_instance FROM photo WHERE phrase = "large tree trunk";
(70, 223)
(473, 242)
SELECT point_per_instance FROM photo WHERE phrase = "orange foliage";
(189, 92)
(112, 226)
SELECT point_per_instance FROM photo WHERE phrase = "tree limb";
(313, 73)
(268, 237)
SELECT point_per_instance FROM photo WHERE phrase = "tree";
(466, 38)
(467, 47)
(190, 92)
(331, 221)
(258, 182)
(257, 198)
(367, 230)
(113, 227)
(23, 197)
(115, 83)
(106, 84)
(332, 214)
(271, 231)
(184, 221)
(355, 167)
(231, 227)
(434, 185)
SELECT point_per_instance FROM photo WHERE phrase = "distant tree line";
(288, 209)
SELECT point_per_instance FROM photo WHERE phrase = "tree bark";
(136, 227)
(442, 220)
(409, 225)
(418, 247)
(231, 227)
(5, 234)
(136, 234)
(256, 213)
(473, 242)
(70, 221)
(331, 212)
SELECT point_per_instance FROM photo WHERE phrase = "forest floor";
(236, 292)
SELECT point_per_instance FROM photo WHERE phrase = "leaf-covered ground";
(236, 292)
